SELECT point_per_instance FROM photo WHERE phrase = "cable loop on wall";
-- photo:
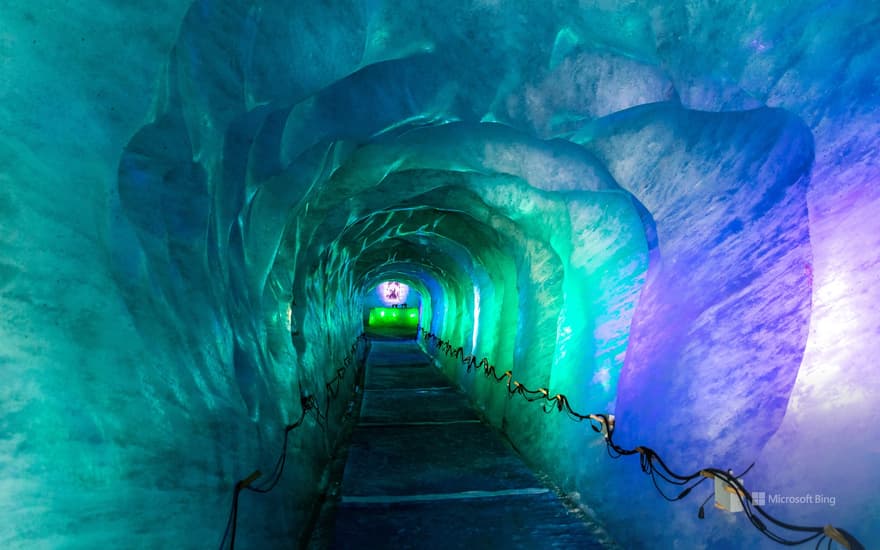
(650, 462)
(309, 403)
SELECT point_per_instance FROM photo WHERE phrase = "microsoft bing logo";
(760, 498)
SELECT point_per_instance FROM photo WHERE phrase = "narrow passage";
(424, 472)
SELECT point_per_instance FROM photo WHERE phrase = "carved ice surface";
(665, 210)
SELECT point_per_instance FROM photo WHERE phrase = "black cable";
(228, 523)
(234, 516)
(701, 513)
(650, 462)
(309, 403)
(277, 472)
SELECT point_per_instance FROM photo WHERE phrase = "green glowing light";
(397, 317)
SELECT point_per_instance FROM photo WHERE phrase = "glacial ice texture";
(665, 210)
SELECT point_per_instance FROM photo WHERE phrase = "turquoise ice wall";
(666, 210)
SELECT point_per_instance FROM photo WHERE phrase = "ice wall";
(665, 210)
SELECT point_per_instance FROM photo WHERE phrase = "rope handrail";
(650, 462)
(308, 403)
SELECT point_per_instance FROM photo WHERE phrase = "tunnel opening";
(392, 310)
(539, 259)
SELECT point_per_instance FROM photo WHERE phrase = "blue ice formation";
(667, 210)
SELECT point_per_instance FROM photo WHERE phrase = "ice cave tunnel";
(665, 211)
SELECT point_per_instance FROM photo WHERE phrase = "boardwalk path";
(424, 472)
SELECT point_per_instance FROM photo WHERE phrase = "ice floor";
(423, 471)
